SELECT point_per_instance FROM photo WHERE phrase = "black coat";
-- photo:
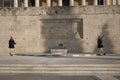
(100, 45)
(11, 43)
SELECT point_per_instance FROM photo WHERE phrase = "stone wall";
(37, 30)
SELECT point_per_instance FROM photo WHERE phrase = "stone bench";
(59, 51)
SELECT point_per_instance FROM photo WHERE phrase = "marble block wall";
(38, 30)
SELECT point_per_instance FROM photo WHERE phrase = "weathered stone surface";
(38, 30)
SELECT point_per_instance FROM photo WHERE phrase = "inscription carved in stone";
(62, 29)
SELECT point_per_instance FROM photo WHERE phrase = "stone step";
(60, 68)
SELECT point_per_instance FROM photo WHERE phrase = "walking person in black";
(11, 46)
(100, 46)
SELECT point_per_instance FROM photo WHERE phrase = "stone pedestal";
(59, 51)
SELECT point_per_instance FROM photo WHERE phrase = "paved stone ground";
(6, 59)
(109, 59)
(53, 60)
(45, 77)
(118, 77)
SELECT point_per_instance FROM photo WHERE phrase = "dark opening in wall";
(7, 3)
(32, 3)
(66, 2)
(60, 45)
(100, 2)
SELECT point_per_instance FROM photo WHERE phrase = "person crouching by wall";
(11, 46)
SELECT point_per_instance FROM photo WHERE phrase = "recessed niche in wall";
(62, 28)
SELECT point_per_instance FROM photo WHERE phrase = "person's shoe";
(11, 54)
(98, 54)
(104, 54)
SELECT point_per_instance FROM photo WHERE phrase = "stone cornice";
(53, 11)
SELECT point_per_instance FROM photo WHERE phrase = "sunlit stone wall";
(38, 30)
